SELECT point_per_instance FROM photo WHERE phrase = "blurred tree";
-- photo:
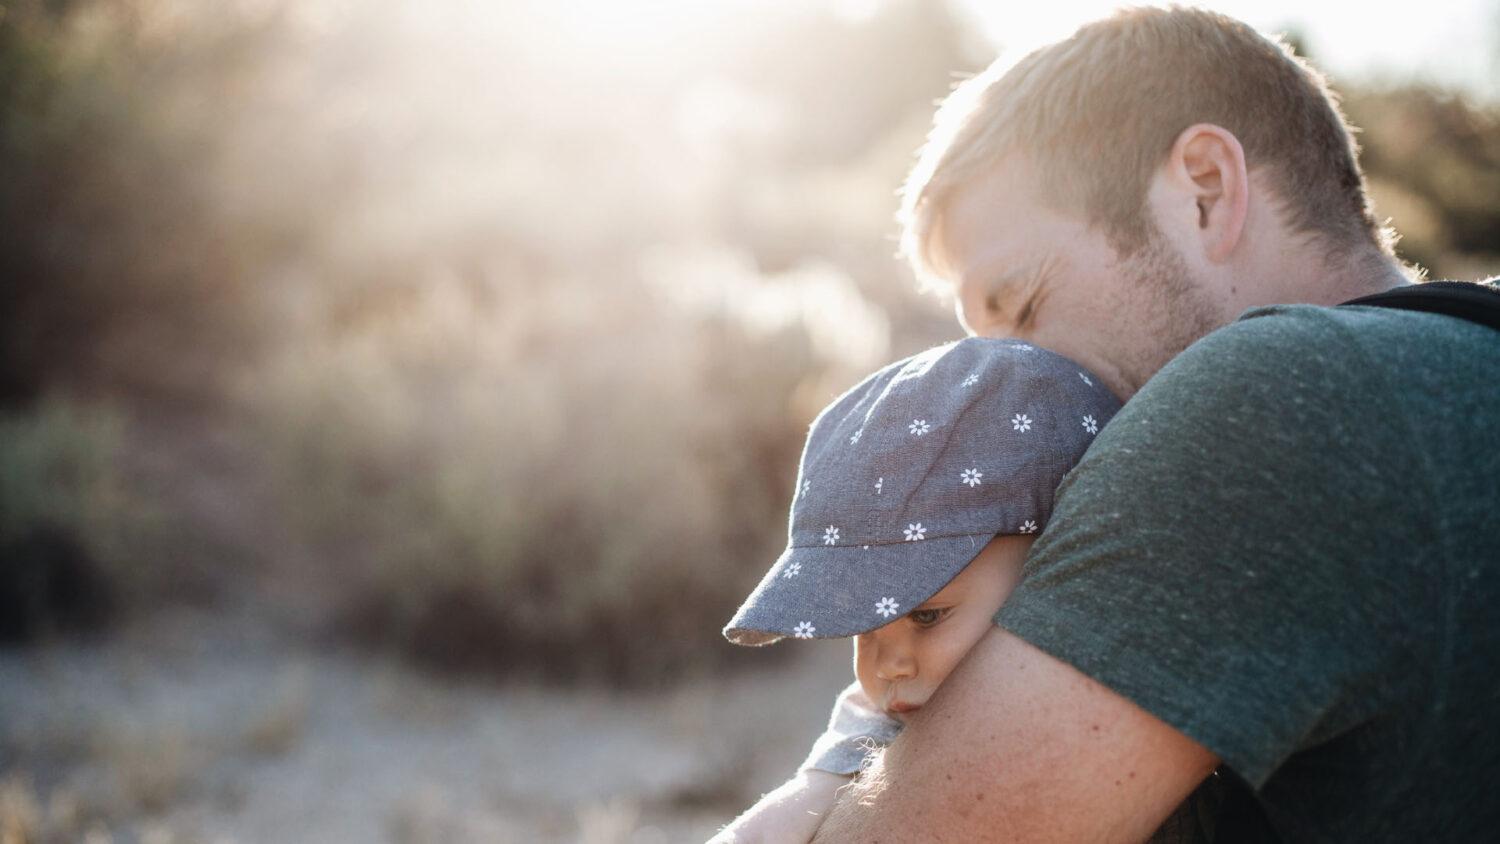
(850, 82)
(1433, 159)
(114, 260)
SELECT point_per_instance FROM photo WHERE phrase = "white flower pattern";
(792, 570)
(971, 476)
(971, 380)
(919, 427)
(1028, 526)
(831, 536)
(854, 438)
(1086, 379)
(1021, 422)
(915, 532)
(887, 607)
(1090, 424)
(879, 485)
(804, 630)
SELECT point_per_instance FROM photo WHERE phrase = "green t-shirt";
(1287, 546)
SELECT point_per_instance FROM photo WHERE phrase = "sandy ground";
(202, 728)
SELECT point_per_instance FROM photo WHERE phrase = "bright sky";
(1448, 41)
(1452, 42)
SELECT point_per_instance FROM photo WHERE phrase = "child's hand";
(789, 815)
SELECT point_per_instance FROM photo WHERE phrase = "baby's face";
(901, 664)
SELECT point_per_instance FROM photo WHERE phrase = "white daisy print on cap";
(932, 422)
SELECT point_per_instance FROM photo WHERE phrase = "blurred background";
(397, 397)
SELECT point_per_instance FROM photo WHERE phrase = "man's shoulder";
(1337, 352)
(1315, 332)
(1270, 357)
(1300, 325)
(1308, 395)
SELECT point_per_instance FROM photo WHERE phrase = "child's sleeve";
(855, 727)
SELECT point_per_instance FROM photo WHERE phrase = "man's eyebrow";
(1018, 290)
(1033, 291)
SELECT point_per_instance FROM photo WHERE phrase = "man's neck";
(1335, 280)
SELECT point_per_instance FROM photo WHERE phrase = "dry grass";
(152, 770)
(20, 813)
(281, 724)
(25, 818)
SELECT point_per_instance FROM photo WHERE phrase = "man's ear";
(1207, 168)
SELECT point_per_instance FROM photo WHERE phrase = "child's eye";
(928, 617)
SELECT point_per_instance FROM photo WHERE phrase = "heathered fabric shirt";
(1287, 546)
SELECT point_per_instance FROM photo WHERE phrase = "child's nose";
(895, 661)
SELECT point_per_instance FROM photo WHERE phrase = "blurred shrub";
(111, 114)
(530, 485)
(75, 538)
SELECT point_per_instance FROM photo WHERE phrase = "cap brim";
(828, 592)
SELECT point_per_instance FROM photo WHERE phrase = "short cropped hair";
(1098, 113)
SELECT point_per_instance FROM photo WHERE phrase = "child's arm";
(789, 815)
(793, 812)
(856, 727)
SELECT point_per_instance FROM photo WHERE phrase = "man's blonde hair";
(1097, 114)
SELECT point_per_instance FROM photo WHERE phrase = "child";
(919, 494)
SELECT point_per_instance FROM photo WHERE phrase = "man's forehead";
(991, 262)
(985, 223)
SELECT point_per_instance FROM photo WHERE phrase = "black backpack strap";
(1473, 301)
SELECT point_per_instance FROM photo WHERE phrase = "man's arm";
(1019, 746)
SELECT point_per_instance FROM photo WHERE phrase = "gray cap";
(906, 478)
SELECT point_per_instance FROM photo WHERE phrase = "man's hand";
(788, 815)
(1018, 746)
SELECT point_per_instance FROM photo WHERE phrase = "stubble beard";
(1177, 309)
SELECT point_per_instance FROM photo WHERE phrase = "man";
(1281, 556)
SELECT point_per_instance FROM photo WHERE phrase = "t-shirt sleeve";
(855, 728)
(1213, 557)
